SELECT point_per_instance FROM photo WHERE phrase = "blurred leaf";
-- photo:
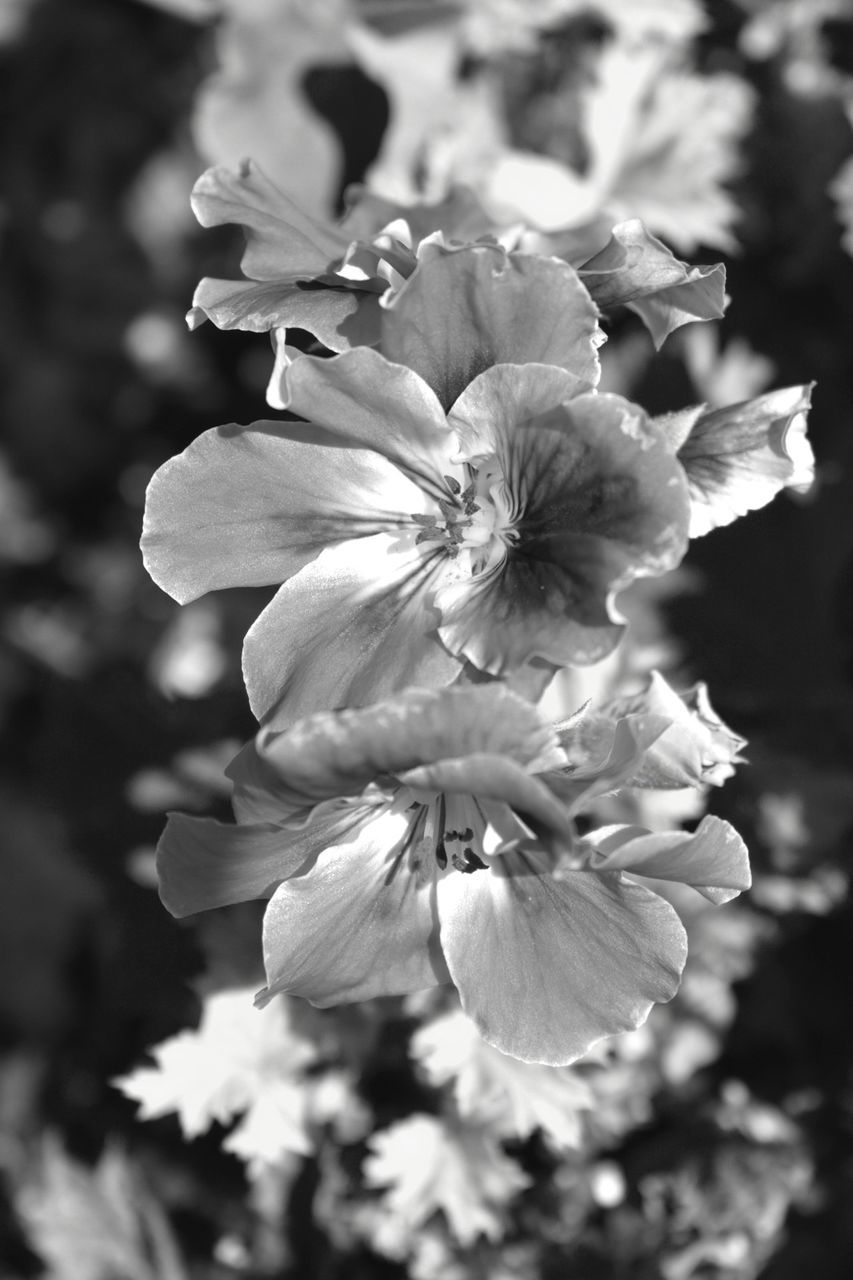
(97, 1224)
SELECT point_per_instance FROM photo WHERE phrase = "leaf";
(510, 1098)
(97, 1224)
(426, 1166)
(239, 1060)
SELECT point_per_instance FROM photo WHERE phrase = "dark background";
(92, 970)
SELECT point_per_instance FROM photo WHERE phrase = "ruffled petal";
(361, 923)
(636, 269)
(545, 968)
(599, 501)
(354, 626)
(608, 757)
(367, 401)
(340, 753)
(695, 748)
(248, 506)
(713, 859)
(202, 864)
(496, 405)
(466, 309)
(339, 317)
(738, 458)
(281, 239)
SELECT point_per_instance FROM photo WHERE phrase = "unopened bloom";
(430, 839)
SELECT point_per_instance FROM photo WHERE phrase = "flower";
(329, 279)
(431, 838)
(442, 506)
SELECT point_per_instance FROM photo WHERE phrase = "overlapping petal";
(545, 968)
(695, 748)
(365, 400)
(713, 858)
(358, 925)
(465, 309)
(248, 506)
(637, 270)
(354, 625)
(340, 753)
(339, 317)
(202, 864)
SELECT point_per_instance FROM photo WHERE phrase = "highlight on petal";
(340, 753)
(637, 270)
(465, 309)
(738, 458)
(352, 627)
(248, 506)
(358, 924)
(202, 864)
(367, 401)
(713, 859)
(596, 501)
(546, 968)
(281, 238)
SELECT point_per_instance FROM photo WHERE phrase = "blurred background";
(717, 1141)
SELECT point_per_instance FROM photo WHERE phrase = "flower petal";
(338, 317)
(636, 269)
(493, 407)
(365, 400)
(350, 628)
(466, 309)
(545, 968)
(248, 506)
(738, 458)
(695, 748)
(202, 864)
(713, 859)
(361, 923)
(281, 238)
(608, 757)
(600, 502)
(340, 753)
(491, 777)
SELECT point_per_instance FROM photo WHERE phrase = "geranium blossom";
(461, 509)
(430, 839)
(328, 279)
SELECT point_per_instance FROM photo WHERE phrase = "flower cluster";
(449, 510)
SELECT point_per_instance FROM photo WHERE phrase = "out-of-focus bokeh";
(384, 1140)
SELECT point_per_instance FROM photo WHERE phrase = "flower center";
(445, 832)
(476, 520)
